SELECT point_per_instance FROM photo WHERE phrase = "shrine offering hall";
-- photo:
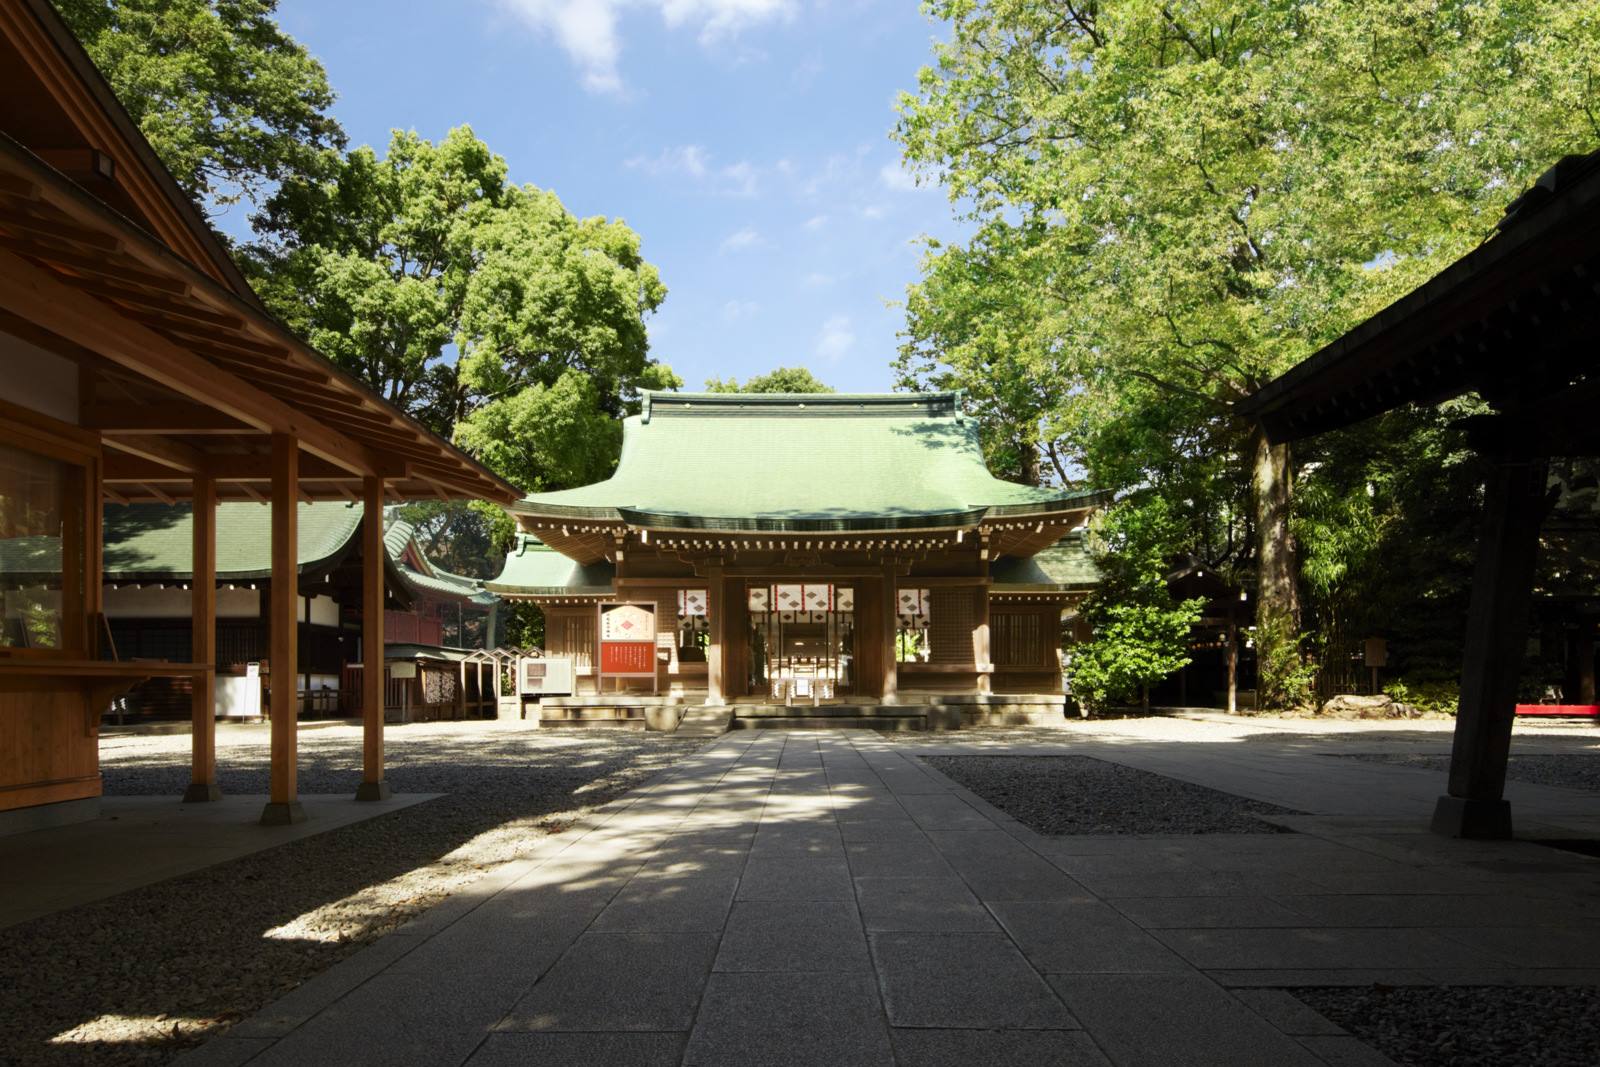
(780, 553)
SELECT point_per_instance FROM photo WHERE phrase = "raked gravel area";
(1084, 795)
(1469, 1026)
(139, 977)
(1572, 770)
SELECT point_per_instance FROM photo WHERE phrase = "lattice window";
(577, 639)
(1018, 639)
(951, 619)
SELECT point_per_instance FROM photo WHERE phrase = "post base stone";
(373, 791)
(282, 814)
(1466, 817)
(201, 792)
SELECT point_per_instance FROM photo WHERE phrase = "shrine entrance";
(802, 642)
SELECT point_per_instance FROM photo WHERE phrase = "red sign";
(627, 657)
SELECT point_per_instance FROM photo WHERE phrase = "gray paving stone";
(879, 829)
(224, 1051)
(1213, 884)
(944, 811)
(1330, 947)
(1287, 1012)
(633, 981)
(1157, 913)
(1285, 978)
(1061, 936)
(790, 1020)
(999, 867)
(961, 981)
(925, 905)
(783, 878)
(579, 1050)
(670, 905)
(1529, 946)
(1174, 1020)
(396, 1020)
(902, 857)
(1346, 1052)
(1412, 909)
(996, 1048)
(787, 935)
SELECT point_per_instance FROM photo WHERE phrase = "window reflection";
(41, 550)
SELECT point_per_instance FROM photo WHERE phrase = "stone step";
(705, 722)
(590, 714)
(822, 711)
(898, 722)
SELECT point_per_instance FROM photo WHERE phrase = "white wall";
(324, 611)
(173, 602)
(38, 380)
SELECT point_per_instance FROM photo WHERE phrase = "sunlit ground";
(140, 977)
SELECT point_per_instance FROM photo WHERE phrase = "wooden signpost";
(627, 643)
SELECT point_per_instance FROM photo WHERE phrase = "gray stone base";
(1465, 817)
(202, 792)
(46, 816)
(373, 791)
(282, 814)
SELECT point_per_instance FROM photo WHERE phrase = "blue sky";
(745, 140)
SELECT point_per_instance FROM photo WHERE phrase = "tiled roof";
(1065, 565)
(535, 569)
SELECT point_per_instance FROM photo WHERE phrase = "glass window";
(913, 611)
(694, 631)
(41, 550)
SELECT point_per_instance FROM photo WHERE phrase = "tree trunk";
(1233, 663)
(1277, 579)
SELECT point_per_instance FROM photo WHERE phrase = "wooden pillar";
(982, 643)
(203, 645)
(889, 626)
(1585, 657)
(373, 786)
(1497, 629)
(283, 805)
(717, 637)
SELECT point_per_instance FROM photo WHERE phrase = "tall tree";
(1189, 197)
(780, 380)
(230, 103)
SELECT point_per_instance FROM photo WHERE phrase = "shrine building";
(781, 554)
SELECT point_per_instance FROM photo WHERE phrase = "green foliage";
(1140, 634)
(229, 102)
(1286, 669)
(1174, 202)
(781, 380)
(546, 437)
(469, 538)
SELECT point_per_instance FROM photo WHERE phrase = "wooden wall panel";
(49, 748)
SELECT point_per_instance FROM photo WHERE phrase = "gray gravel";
(1432, 1026)
(1083, 795)
(194, 949)
(1571, 770)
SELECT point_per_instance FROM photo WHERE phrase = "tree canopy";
(230, 103)
(1174, 202)
(780, 380)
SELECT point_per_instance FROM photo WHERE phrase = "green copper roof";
(154, 541)
(1065, 565)
(801, 462)
(534, 568)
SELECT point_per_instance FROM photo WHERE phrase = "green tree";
(230, 103)
(781, 380)
(1174, 202)
(1140, 633)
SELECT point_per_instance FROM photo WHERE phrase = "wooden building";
(137, 366)
(794, 550)
(147, 553)
(1517, 321)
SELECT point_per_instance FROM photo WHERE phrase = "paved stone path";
(826, 898)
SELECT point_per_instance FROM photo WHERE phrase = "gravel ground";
(1573, 770)
(1522, 1026)
(142, 976)
(1083, 795)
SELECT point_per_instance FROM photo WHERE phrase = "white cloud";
(836, 339)
(872, 212)
(816, 222)
(693, 161)
(734, 310)
(817, 279)
(741, 240)
(587, 29)
(893, 176)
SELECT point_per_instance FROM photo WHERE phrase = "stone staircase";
(831, 717)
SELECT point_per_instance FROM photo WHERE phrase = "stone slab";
(579, 1050)
(996, 1048)
(619, 981)
(783, 935)
(790, 1020)
(960, 981)
(1082, 936)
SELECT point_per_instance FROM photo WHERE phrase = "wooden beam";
(101, 266)
(175, 417)
(373, 554)
(155, 302)
(34, 293)
(203, 645)
(162, 450)
(283, 804)
(24, 223)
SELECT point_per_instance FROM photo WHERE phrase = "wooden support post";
(1497, 633)
(982, 643)
(203, 645)
(283, 805)
(716, 638)
(1585, 656)
(373, 786)
(889, 621)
